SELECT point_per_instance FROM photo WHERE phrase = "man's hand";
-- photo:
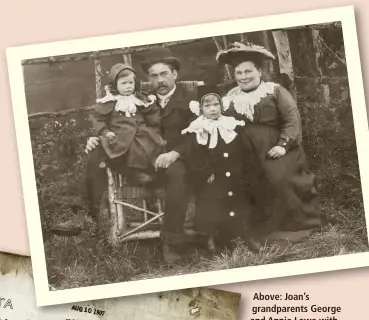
(166, 159)
(91, 144)
(276, 152)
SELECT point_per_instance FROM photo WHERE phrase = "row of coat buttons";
(228, 174)
(230, 193)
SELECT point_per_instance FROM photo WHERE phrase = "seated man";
(162, 70)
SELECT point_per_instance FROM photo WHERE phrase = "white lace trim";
(205, 128)
(125, 104)
(244, 102)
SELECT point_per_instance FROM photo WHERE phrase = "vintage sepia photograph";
(174, 159)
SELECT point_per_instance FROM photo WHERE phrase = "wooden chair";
(137, 212)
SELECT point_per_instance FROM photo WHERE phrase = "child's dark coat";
(138, 138)
(221, 207)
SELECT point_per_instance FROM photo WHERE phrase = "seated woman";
(283, 189)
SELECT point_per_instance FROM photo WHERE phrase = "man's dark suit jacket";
(175, 117)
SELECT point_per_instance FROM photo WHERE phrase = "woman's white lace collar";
(205, 128)
(244, 102)
(125, 104)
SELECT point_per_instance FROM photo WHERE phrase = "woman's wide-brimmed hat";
(239, 51)
(160, 54)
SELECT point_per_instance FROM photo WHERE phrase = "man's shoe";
(253, 245)
(211, 244)
(170, 254)
(67, 229)
(79, 204)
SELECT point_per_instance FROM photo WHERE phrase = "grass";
(329, 143)
(85, 261)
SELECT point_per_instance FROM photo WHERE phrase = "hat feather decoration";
(226, 103)
(195, 107)
(238, 48)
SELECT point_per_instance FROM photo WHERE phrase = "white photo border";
(15, 55)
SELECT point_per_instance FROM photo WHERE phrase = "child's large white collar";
(125, 104)
(204, 128)
(244, 102)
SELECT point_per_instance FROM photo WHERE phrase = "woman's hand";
(91, 144)
(166, 159)
(276, 152)
(110, 136)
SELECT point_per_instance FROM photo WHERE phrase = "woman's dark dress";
(283, 189)
(221, 207)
